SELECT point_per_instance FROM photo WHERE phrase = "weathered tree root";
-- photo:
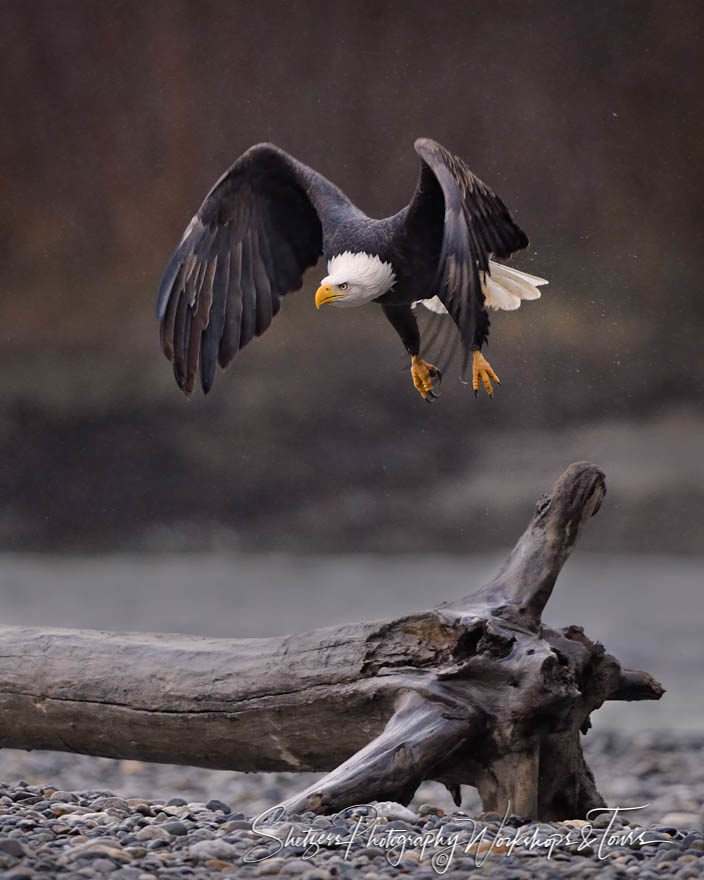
(475, 692)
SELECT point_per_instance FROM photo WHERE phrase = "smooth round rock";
(178, 829)
(216, 805)
(12, 847)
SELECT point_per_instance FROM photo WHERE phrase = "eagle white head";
(354, 280)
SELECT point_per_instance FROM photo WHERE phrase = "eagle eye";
(343, 286)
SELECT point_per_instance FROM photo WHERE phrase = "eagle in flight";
(270, 217)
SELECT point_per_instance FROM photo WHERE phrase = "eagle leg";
(423, 374)
(404, 323)
(481, 370)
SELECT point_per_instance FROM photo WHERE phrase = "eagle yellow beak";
(324, 295)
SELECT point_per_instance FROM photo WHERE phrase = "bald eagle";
(270, 217)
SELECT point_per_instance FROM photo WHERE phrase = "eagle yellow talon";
(423, 375)
(481, 369)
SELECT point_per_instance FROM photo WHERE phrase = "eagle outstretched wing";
(258, 230)
(471, 224)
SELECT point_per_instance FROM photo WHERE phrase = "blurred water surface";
(647, 610)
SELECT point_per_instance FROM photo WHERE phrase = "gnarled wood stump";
(475, 692)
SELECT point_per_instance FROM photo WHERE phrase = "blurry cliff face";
(117, 118)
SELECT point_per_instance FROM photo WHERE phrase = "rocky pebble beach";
(81, 817)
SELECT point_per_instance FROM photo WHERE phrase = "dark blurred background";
(116, 119)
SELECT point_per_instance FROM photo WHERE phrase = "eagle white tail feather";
(498, 296)
(522, 290)
(434, 305)
(507, 287)
(515, 273)
(504, 289)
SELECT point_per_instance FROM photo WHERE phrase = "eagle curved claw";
(481, 369)
(423, 375)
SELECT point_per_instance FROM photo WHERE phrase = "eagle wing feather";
(473, 224)
(259, 228)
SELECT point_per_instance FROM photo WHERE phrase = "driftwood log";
(477, 692)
